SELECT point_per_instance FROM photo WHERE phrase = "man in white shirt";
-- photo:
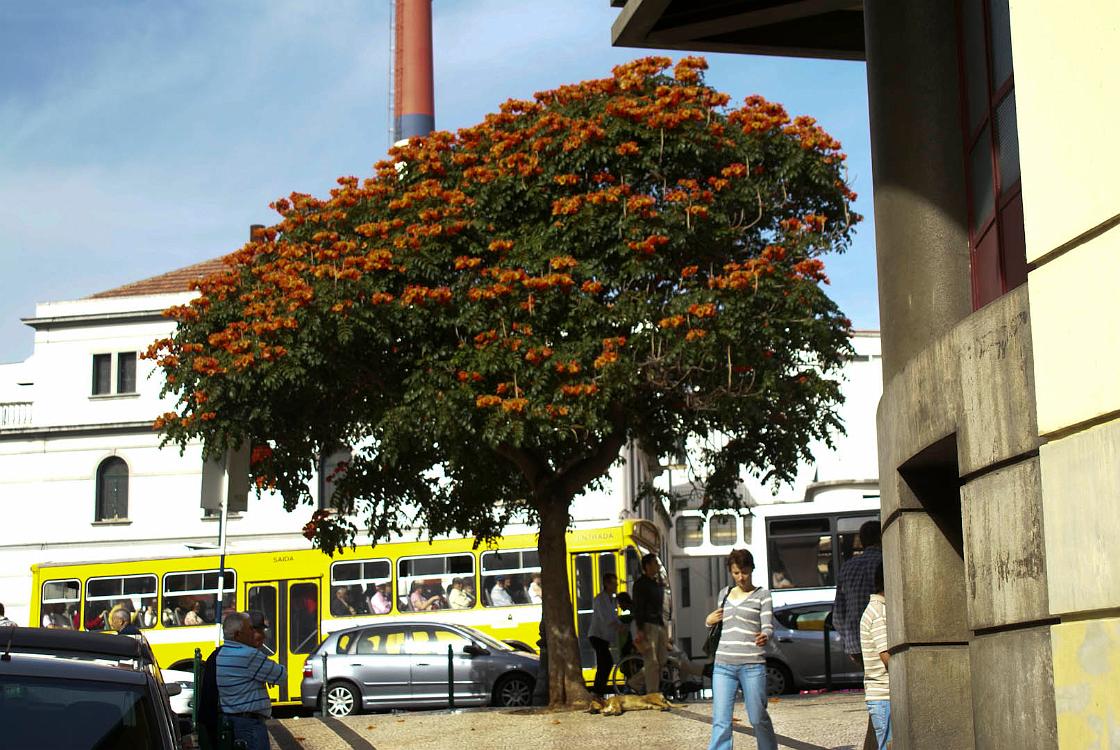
(605, 627)
(456, 597)
(499, 595)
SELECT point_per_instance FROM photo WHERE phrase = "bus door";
(587, 571)
(291, 613)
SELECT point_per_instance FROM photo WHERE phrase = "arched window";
(112, 490)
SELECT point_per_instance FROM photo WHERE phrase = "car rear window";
(59, 714)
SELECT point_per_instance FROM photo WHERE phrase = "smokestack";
(413, 100)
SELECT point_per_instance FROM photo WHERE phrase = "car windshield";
(60, 714)
(489, 642)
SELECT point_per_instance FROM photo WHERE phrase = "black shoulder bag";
(711, 643)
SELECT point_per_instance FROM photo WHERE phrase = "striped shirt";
(242, 673)
(873, 640)
(742, 622)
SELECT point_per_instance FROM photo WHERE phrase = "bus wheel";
(513, 690)
(341, 699)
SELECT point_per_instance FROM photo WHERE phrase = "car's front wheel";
(342, 699)
(778, 679)
(514, 690)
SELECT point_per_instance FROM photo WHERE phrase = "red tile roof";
(171, 282)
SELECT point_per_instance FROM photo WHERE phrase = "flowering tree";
(491, 317)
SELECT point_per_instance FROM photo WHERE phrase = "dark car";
(61, 690)
(405, 665)
(795, 655)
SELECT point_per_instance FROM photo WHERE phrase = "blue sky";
(137, 137)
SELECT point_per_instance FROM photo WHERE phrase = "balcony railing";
(15, 414)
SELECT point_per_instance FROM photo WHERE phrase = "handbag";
(711, 643)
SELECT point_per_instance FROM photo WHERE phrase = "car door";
(801, 642)
(378, 663)
(428, 646)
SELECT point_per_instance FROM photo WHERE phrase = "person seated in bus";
(456, 597)
(535, 593)
(340, 604)
(120, 621)
(468, 590)
(194, 615)
(500, 595)
(420, 601)
(147, 617)
(379, 603)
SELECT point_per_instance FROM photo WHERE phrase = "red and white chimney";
(413, 98)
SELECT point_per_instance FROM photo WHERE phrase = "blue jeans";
(726, 679)
(881, 719)
(250, 731)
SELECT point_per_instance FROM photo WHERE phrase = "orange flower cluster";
(538, 355)
(706, 310)
(465, 376)
(465, 261)
(420, 295)
(579, 389)
(486, 401)
(562, 263)
(673, 321)
(515, 405)
(811, 268)
(591, 287)
(627, 149)
(555, 411)
(688, 271)
(610, 352)
(812, 136)
(759, 115)
(649, 245)
(695, 333)
(561, 281)
(570, 367)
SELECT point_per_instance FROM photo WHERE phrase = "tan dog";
(618, 704)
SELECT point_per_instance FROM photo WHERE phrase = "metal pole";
(197, 667)
(221, 565)
(323, 700)
(450, 677)
(827, 657)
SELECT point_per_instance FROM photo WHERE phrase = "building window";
(103, 374)
(997, 246)
(112, 490)
(126, 372)
(689, 532)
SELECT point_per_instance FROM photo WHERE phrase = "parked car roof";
(69, 669)
(74, 643)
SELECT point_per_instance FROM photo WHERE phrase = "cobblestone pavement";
(835, 721)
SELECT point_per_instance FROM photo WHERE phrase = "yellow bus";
(305, 595)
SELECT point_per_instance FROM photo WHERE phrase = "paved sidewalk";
(834, 721)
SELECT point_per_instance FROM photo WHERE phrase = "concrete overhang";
(828, 29)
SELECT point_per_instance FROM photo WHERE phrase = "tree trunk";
(565, 673)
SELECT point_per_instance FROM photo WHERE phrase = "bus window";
(303, 618)
(192, 598)
(136, 595)
(722, 530)
(801, 562)
(367, 587)
(60, 604)
(847, 531)
(689, 532)
(424, 583)
(633, 567)
(748, 528)
(511, 577)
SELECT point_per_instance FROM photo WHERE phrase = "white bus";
(798, 549)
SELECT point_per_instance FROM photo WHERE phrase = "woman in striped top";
(747, 625)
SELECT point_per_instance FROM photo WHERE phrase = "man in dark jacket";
(651, 639)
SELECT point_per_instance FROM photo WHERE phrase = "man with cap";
(209, 705)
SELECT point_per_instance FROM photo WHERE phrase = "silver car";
(795, 655)
(405, 665)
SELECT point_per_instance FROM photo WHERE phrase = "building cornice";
(77, 321)
(75, 430)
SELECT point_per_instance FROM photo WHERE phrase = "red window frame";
(996, 243)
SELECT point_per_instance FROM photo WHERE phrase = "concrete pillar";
(920, 211)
